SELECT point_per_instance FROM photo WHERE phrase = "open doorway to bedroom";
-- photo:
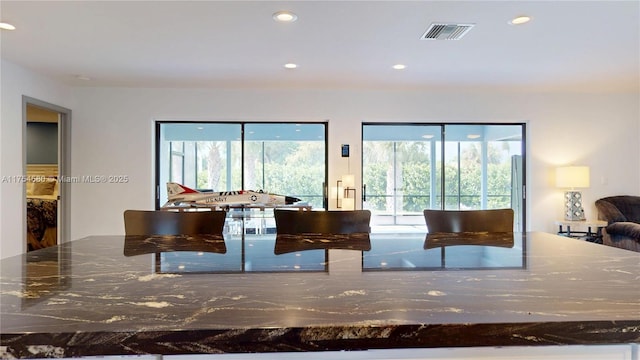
(46, 155)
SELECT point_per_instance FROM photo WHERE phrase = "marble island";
(112, 295)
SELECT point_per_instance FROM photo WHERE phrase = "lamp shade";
(348, 180)
(337, 192)
(572, 177)
(349, 203)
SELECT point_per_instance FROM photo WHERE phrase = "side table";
(588, 235)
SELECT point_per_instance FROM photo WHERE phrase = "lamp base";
(573, 210)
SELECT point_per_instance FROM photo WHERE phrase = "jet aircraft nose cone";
(290, 200)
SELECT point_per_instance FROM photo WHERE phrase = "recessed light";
(285, 16)
(290, 65)
(519, 20)
(6, 26)
(399, 66)
(473, 136)
(427, 136)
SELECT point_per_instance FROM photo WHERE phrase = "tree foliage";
(395, 172)
(411, 175)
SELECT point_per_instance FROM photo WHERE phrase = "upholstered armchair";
(622, 214)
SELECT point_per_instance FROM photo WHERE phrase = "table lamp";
(344, 187)
(572, 177)
(349, 183)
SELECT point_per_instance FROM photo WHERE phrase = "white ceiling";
(568, 46)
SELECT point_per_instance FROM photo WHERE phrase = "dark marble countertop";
(107, 295)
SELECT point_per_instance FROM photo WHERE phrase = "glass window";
(482, 165)
(283, 158)
(177, 161)
(411, 167)
(286, 159)
(198, 155)
(400, 170)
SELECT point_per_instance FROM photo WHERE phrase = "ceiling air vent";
(439, 31)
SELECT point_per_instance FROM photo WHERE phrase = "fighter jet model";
(182, 195)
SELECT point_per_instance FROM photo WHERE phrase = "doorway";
(46, 158)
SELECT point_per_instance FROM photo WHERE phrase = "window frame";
(243, 124)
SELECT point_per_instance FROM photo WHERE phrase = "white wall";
(113, 135)
(15, 82)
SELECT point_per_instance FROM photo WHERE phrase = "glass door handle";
(325, 196)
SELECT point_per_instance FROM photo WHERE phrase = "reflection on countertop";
(86, 297)
(288, 243)
(308, 252)
(151, 244)
(489, 239)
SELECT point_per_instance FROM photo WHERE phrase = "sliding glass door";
(483, 166)
(286, 159)
(400, 171)
(283, 158)
(198, 155)
(411, 167)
